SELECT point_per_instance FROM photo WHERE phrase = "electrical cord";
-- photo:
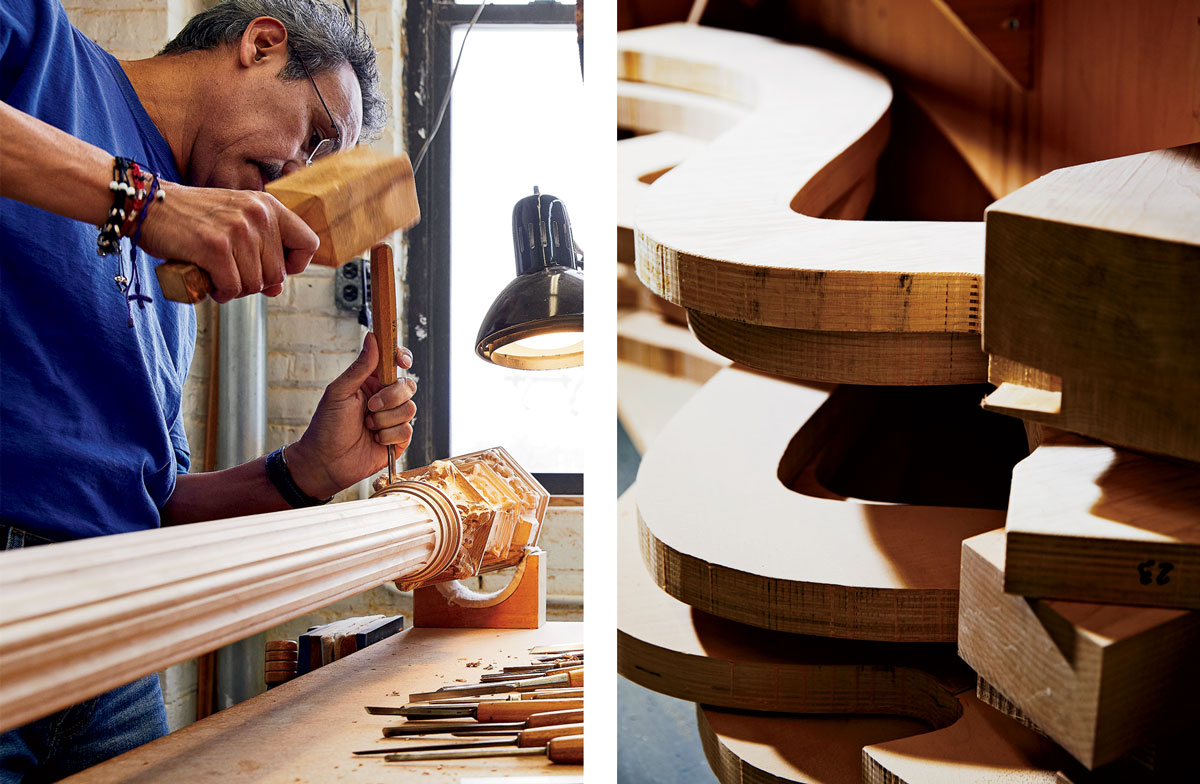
(449, 89)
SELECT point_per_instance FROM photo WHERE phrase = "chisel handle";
(521, 710)
(542, 736)
(550, 718)
(383, 311)
(567, 750)
(182, 281)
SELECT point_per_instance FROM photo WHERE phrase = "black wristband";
(281, 478)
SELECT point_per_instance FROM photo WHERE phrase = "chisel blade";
(448, 728)
(442, 746)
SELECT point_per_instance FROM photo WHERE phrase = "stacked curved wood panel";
(805, 538)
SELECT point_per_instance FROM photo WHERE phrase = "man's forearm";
(215, 495)
(47, 168)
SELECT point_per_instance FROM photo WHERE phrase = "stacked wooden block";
(799, 541)
(1080, 614)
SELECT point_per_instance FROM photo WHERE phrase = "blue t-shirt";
(91, 435)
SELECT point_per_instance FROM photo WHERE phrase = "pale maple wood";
(640, 161)
(647, 399)
(1104, 258)
(675, 649)
(729, 537)
(730, 232)
(519, 605)
(82, 617)
(351, 200)
(305, 729)
(1090, 522)
(1101, 680)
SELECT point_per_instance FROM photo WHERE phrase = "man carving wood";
(92, 357)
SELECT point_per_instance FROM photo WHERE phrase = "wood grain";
(82, 617)
(1104, 258)
(731, 231)
(982, 746)
(1101, 680)
(672, 648)
(305, 729)
(646, 340)
(730, 537)
(1090, 522)
(754, 251)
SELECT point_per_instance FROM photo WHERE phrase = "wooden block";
(1101, 680)
(1103, 258)
(982, 746)
(727, 234)
(283, 645)
(519, 605)
(675, 649)
(351, 200)
(722, 529)
(281, 666)
(289, 656)
(1090, 522)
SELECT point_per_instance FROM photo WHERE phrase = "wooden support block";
(722, 528)
(1101, 680)
(675, 649)
(519, 605)
(733, 232)
(1090, 522)
(1104, 259)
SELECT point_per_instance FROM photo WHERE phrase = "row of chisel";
(523, 710)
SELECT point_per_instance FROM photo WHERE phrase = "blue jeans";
(85, 734)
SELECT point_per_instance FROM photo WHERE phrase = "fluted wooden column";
(82, 617)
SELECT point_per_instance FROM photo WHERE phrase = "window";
(512, 124)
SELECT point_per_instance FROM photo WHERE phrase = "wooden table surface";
(306, 729)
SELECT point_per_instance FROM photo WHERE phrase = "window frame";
(428, 29)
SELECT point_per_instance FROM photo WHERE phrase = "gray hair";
(320, 35)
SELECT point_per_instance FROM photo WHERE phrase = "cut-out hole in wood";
(908, 448)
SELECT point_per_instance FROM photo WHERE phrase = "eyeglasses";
(323, 147)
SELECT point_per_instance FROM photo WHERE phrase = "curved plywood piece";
(672, 648)
(640, 161)
(729, 233)
(983, 745)
(762, 749)
(894, 358)
(722, 532)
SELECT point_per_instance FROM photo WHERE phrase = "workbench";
(305, 730)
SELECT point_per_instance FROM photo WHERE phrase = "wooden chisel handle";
(383, 311)
(521, 710)
(567, 750)
(542, 736)
(182, 281)
(551, 718)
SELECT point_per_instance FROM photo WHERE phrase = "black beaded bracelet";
(281, 477)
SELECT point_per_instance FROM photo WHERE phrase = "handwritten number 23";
(1144, 575)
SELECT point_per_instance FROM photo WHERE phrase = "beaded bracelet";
(134, 189)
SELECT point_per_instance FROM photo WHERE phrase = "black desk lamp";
(536, 323)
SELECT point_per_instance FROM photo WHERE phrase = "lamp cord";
(449, 88)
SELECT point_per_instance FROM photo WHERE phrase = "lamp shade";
(536, 322)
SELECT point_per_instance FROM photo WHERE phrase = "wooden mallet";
(351, 200)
